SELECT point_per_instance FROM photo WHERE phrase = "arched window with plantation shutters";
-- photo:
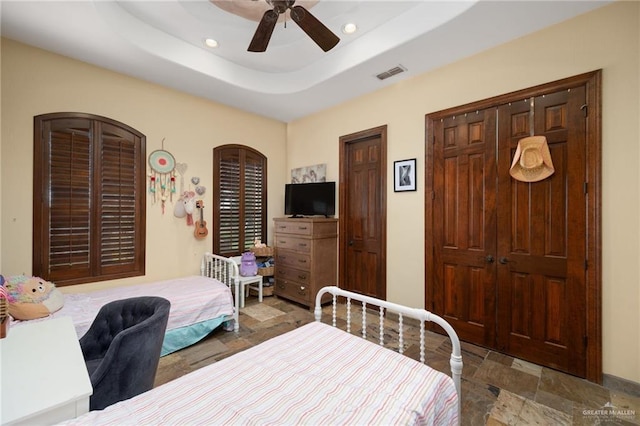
(239, 199)
(88, 199)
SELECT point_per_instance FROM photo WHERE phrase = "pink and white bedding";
(194, 299)
(316, 374)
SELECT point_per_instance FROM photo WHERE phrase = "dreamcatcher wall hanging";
(162, 178)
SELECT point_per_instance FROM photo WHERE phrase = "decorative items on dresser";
(306, 257)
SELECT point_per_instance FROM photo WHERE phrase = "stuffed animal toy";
(32, 297)
(248, 266)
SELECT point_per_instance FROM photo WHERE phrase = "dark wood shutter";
(67, 183)
(228, 220)
(254, 200)
(121, 194)
(239, 211)
(89, 199)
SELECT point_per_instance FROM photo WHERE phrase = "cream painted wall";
(608, 39)
(37, 82)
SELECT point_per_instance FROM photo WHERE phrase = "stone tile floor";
(496, 389)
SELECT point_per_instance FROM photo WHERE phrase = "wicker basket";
(266, 291)
(262, 251)
(266, 272)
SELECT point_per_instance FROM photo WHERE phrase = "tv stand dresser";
(306, 257)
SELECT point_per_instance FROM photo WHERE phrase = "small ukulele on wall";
(200, 230)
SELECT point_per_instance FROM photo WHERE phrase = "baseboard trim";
(622, 385)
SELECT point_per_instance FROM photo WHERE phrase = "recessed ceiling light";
(211, 42)
(349, 28)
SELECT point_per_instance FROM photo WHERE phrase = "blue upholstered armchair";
(122, 348)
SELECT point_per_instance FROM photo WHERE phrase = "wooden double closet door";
(508, 262)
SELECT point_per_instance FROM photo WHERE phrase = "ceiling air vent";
(391, 72)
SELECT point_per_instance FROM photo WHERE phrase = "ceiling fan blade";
(314, 28)
(263, 32)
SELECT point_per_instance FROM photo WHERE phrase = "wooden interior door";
(464, 174)
(363, 212)
(515, 266)
(541, 293)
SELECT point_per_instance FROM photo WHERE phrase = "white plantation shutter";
(239, 211)
(89, 199)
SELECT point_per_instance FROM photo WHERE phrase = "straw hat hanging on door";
(532, 160)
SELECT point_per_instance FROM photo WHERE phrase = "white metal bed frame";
(419, 314)
(225, 270)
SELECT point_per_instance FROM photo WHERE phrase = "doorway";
(513, 265)
(363, 214)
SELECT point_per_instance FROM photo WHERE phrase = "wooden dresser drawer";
(302, 228)
(302, 245)
(290, 274)
(292, 259)
(293, 291)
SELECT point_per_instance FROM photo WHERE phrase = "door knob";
(351, 242)
(489, 259)
(503, 260)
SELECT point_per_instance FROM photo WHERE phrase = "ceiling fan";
(315, 29)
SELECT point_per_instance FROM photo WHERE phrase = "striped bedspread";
(314, 375)
(193, 299)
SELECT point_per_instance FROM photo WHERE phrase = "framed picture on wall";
(404, 175)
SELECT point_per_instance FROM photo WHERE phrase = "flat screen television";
(310, 199)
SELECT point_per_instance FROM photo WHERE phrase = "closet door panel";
(464, 208)
(541, 244)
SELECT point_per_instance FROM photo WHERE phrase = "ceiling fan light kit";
(315, 29)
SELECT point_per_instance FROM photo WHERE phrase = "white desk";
(44, 378)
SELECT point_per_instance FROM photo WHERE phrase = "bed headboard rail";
(402, 311)
(226, 271)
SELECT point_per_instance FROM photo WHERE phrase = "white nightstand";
(250, 282)
(44, 377)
